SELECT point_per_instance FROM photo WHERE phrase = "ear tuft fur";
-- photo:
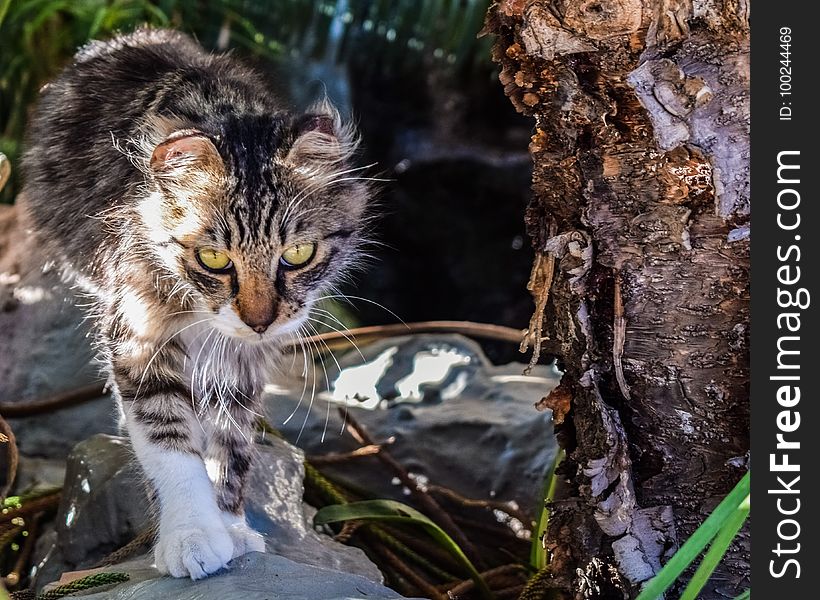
(322, 137)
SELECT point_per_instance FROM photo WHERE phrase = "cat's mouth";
(246, 335)
(228, 323)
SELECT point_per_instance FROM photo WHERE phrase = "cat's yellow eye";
(298, 255)
(214, 260)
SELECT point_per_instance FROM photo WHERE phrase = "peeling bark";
(641, 160)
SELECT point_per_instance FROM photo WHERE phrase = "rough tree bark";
(640, 221)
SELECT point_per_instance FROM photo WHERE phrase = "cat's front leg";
(228, 459)
(169, 441)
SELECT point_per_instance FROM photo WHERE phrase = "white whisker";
(304, 375)
(327, 380)
(151, 360)
(312, 397)
(342, 333)
(348, 298)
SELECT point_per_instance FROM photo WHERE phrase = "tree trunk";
(640, 221)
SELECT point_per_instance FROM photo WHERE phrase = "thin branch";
(56, 402)
(428, 556)
(427, 588)
(491, 575)
(337, 457)
(5, 170)
(8, 444)
(495, 530)
(143, 538)
(13, 578)
(505, 507)
(348, 530)
(468, 328)
(31, 507)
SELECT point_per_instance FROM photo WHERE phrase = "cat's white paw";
(245, 539)
(193, 552)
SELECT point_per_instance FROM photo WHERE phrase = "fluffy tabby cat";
(204, 221)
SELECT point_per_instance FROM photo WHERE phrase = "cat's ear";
(184, 149)
(186, 161)
(322, 137)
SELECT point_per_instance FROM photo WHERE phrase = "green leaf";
(4, 8)
(704, 534)
(747, 595)
(538, 554)
(716, 551)
(390, 510)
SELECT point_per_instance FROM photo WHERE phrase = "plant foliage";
(392, 511)
(719, 529)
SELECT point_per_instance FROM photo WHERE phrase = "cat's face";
(255, 219)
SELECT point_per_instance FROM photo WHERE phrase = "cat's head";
(255, 216)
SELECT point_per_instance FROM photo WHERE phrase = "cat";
(204, 221)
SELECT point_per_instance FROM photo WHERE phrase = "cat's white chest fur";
(222, 370)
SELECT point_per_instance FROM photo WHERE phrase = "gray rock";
(39, 473)
(104, 503)
(254, 576)
(274, 508)
(104, 506)
(455, 419)
(44, 345)
(53, 435)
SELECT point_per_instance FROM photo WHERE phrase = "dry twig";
(31, 507)
(499, 576)
(14, 577)
(8, 446)
(143, 538)
(337, 457)
(414, 578)
(13, 410)
(505, 507)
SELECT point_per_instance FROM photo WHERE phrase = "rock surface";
(254, 576)
(454, 418)
(43, 345)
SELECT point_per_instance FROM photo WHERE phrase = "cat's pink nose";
(257, 304)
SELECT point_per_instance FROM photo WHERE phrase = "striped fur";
(141, 152)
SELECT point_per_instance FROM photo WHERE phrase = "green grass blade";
(538, 554)
(390, 510)
(704, 534)
(716, 551)
(747, 595)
